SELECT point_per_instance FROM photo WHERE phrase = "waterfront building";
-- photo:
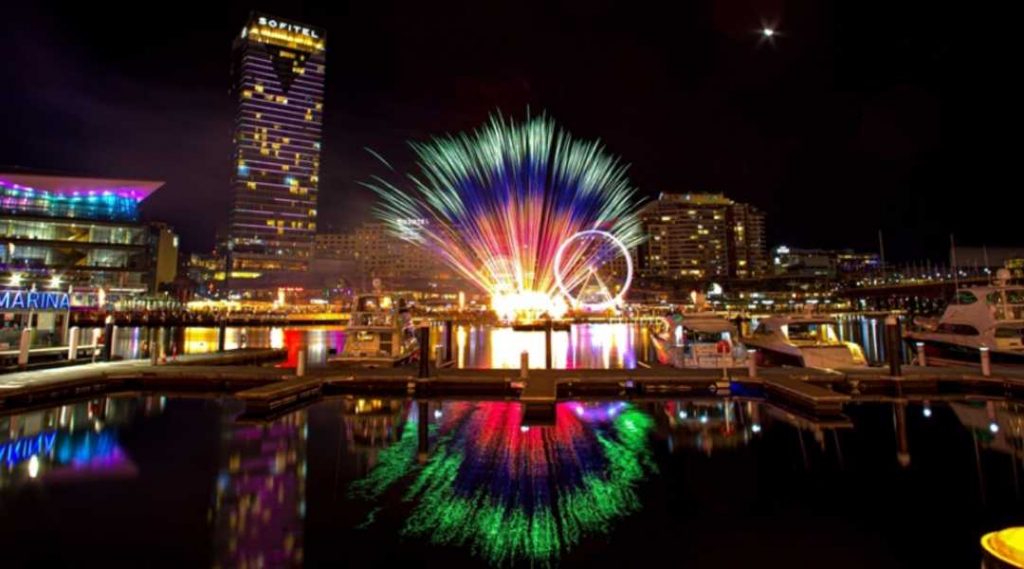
(701, 237)
(377, 253)
(748, 251)
(84, 233)
(278, 82)
(823, 263)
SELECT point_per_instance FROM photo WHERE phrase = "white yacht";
(702, 340)
(379, 333)
(803, 340)
(978, 317)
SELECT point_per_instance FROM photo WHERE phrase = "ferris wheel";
(593, 269)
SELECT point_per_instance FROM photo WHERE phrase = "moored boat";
(379, 334)
(803, 340)
(981, 317)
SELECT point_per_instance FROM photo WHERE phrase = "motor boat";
(803, 340)
(702, 340)
(990, 317)
(380, 333)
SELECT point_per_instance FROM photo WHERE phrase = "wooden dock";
(227, 371)
(267, 389)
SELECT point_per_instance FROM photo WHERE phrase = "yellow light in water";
(460, 345)
(277, 338)
(526, 306)
(1006, 545)
(462, 300)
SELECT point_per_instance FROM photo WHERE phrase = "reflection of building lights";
(33, 466)
(703, 419)
(994, 427)
(524, 428)
(437, 413)
(683, 415)
(756, 427)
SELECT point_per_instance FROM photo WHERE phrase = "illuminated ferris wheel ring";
(599, 306)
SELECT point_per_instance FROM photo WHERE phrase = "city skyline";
(793, 124)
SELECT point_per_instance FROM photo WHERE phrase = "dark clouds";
(859, 116)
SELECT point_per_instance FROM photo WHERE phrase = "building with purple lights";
(82, 234)
(278, 80)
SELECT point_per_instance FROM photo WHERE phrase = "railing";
(88, 350)
(1009, 311)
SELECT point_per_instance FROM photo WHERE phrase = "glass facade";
(279, 84)
(87, 205)
(79, 232)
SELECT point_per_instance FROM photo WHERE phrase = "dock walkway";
(268, 388)
(216, 371)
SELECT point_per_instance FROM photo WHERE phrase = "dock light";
(16, 279)
(524, 429)
(683, 415)
(1006, 546)
(437, 413)
(927, 411)
(767, 32)
(55, 281)
(994, 427)
(33, 466)
(703, 419)
(756, 427)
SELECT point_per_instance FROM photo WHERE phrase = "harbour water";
(583, 346)
(172, 482)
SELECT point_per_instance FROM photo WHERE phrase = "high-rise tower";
(278, 80)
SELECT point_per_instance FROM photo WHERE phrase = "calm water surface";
(168, 482)
(583, 346)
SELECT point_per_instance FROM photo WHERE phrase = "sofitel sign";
(293, 28)
(32, 300)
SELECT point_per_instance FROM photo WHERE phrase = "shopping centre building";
(79, 236)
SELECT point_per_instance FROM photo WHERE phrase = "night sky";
(859, 116)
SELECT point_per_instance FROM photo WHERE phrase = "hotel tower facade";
(278, 82)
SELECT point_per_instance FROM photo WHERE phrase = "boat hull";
(812, 356)
(939, 350)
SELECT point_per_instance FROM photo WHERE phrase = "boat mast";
(881, 253)
(956, 272)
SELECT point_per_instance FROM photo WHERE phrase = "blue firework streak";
(500, 200)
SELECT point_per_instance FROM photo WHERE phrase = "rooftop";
(75, 186)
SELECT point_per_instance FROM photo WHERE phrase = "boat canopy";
(709, 325)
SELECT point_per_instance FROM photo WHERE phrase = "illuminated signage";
(13, 452)
(32, 300)
(275, 24)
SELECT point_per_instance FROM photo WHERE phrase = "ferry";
(990, 317)
(379, 334)
(803, 340)
(701, 340)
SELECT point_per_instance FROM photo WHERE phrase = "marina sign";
(16, 300)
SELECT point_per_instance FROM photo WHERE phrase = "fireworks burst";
(498, 203)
